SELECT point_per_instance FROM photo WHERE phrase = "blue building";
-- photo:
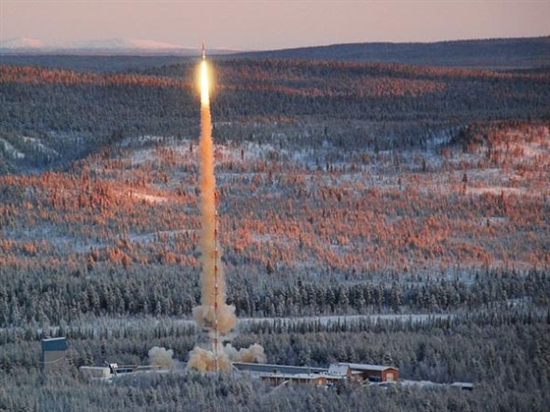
(54, 354)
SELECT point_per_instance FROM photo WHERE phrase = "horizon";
(272, 25)
(134, 43)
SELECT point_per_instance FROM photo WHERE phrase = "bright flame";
(205, 87)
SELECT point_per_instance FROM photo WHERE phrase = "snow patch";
(496, 190)
(142, 140)
(493, 221)
(139, 157)
(528, 150)
(148, 198)
(10, 150)
(440, 138)
(269, 238)
(38, 145)
(151, 237)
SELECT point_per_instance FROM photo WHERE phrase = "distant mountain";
(114, 46)
(493, 53)
(110, 44)
(21, 43)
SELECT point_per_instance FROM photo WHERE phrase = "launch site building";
(54, 354)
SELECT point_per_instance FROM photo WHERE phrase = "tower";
(216, 337)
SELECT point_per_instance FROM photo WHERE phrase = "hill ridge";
(521, 52)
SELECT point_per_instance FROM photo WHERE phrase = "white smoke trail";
(213, 308)
(213, 314)
(214, 317)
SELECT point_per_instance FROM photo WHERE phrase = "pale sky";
(272, 24)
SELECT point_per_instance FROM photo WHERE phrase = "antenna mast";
(216, 293)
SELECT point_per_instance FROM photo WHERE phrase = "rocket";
(203, 51)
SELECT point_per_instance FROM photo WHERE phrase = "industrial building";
(113, 369)
(365, 372)
(264, 368)
(54, 354)
(355, 372)
(280, 378)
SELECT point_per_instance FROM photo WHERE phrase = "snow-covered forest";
(344, 189)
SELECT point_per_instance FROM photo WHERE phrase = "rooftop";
(54, 344)
(280, 369)
(366, 367)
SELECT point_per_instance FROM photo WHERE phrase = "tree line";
(66, 296)
(504, 352)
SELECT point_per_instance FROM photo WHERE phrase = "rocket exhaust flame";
(205, 91)
(214, 317)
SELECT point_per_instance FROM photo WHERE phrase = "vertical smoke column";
(213, 316)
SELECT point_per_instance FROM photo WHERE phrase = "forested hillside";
(52, 116)
(493, 53)
(344, 189)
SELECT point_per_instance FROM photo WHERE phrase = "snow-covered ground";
(112, 323)
(10, 150)
(431, 384)
(38, 145)
(150, 237)
(342, 319)
(149, 198)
